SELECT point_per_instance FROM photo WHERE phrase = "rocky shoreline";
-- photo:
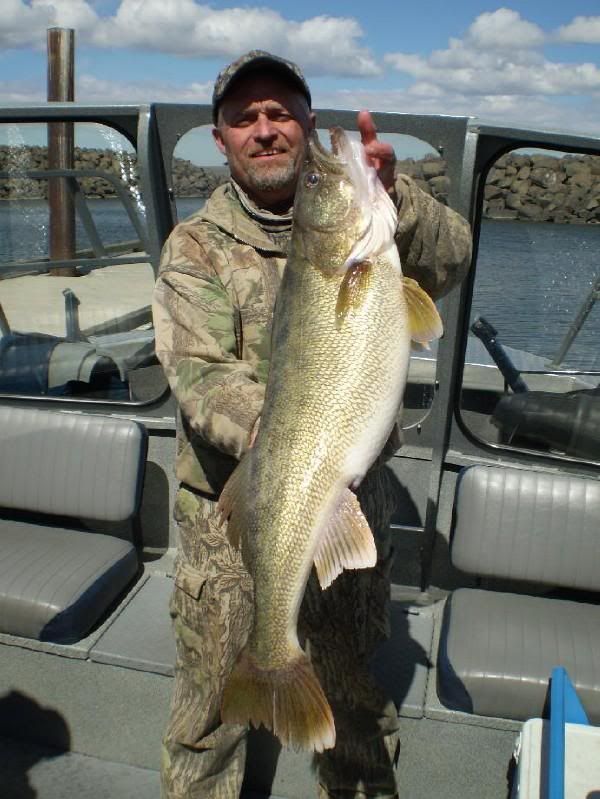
(533, 187)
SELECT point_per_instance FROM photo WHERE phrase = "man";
(213, 307)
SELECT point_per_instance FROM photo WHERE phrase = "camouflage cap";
(254, 60)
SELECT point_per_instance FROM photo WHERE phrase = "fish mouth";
(330, 160)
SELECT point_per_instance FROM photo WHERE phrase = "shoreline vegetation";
(533, 187)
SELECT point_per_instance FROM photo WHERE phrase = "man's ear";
(218, 139)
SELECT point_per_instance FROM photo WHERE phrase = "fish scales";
(313, 438)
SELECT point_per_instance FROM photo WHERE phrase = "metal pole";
(61, 50)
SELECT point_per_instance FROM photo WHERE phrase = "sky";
(534, 63)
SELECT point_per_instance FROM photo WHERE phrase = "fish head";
(342, 213)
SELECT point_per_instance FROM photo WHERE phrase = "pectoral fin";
(254, 433)
(347, 543)
(423, 317)
(353, 290)
(232, 498)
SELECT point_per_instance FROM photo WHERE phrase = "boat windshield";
(532, 367)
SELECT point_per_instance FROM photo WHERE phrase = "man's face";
(262, 128)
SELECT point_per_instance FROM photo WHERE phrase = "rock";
(440, 185)
(513, 201)
(520, 160)
(422, 184)
(434, 168)
(530, 211)
(410, 167)
(573, 165)
(582, 179)
(545, 162)
(495, 175)
(519, 186)
(545, 177)
(490, 191)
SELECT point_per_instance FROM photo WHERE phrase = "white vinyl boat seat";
(59, 471)
(497, 649)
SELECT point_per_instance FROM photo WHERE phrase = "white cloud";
(517, 110)
(581, 30)
(91, 89)
(325, 44)
(321, 45)
(500, 74)
(503, 29)
(96, 90)
(499, 55)
(24, 24)
(68, 13)
(21, 92)
(496, 70)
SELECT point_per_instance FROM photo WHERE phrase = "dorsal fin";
(424, 320)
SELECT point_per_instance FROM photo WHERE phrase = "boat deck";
(436, 760)
(108, 696)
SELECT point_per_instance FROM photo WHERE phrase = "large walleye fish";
(343, 323)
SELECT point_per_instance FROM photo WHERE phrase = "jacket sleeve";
(434, 241)
(219, 395)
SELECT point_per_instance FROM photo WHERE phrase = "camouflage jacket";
(213, 305)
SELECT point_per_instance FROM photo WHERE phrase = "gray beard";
(271, 179)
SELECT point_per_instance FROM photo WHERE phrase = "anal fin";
(347, 542)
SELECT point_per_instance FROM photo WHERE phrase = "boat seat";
(497, 648)
(60, 474)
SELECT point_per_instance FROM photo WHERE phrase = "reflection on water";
(24, 227)
(532, 279)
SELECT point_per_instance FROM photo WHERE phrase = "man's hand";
(379, 154)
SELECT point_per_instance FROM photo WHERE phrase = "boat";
(477, 598)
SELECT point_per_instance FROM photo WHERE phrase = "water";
(531, 278)
(24, 227)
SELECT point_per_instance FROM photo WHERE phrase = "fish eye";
(312, 180)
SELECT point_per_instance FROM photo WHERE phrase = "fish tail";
(289, 701)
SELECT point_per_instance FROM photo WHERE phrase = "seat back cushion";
(70, 464)
(525, 525)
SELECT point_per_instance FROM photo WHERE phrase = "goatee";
(272, 179)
